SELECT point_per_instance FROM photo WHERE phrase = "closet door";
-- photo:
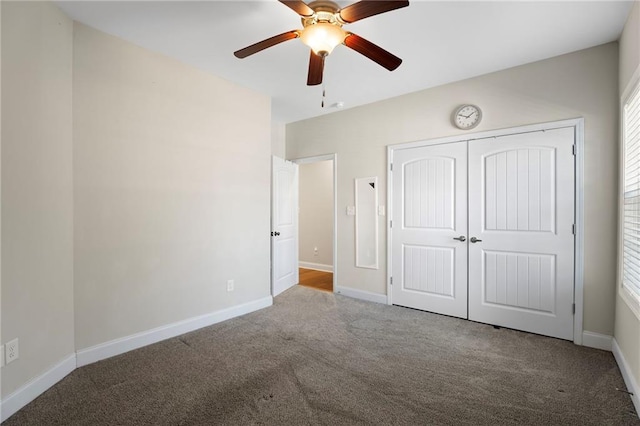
(430, 228)
(521, 212)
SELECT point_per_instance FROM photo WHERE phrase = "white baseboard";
(138, 340)
(35, 387)
(627, 375)
(361, 294)
(316, 266)
(597, 340)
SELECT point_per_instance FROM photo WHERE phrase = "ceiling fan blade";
(372, 51)
(261, 45)
(316, 68)
(366, 8)
(298, 6)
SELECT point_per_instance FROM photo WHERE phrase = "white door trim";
(578, 125)
(334, 158)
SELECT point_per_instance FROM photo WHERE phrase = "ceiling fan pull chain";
(323, 96)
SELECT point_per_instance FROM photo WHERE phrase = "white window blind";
(631, 231)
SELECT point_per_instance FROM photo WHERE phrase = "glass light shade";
(322, 37)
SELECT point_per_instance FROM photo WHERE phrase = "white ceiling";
(439, 42)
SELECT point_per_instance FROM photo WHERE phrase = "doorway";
(485, 229)
(317, 222)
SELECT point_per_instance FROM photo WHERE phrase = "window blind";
(631, 214)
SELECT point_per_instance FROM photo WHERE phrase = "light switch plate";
(381, 211)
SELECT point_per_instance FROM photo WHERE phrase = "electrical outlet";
(230, 285)
(1, 355)
(11, 351)
(315, 251)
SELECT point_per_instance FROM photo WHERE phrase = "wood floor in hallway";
(318, 280)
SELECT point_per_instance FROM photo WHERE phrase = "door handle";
(275, 234)
(475, 240)
(460, 238)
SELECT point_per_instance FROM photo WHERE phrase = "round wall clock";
(467, 116)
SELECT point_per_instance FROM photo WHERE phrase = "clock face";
(467, 117)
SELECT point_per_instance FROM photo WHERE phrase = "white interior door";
(284, 225)
(521, 211)
(430, 212)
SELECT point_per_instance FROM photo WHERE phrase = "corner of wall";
(37, 255)
(278, 139)
(627, 374)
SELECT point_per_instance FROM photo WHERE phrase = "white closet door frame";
(578, 125)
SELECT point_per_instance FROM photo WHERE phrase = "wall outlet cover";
(230, 285)
(351, 210)
(11, 351)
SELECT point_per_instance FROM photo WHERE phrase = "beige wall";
(316, 212)
(278, 139)
(1, 198)
(627, 326)
(37, 190)
(145, 178)
(630, 46)
(172, 190)
(580, 84)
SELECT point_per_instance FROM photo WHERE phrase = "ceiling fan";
(322, 31)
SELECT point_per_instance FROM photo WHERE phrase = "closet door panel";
(521, 212)
(430, 204)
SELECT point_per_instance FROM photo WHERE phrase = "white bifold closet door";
(521, 195)
(516, 196)
(430, 212)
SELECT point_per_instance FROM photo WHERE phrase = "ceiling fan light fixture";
(322, 37)
(322, 22)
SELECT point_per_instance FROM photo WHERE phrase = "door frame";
(578, 264)
(334, 158)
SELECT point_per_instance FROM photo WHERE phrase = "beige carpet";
(315, 358)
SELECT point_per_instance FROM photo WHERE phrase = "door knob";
(277, 233)
(274, 234)
(460, 238)
(475, 240)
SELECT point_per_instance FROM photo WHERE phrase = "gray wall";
(316, 213)
(37, 188)
(580, 84)
(627, 332)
